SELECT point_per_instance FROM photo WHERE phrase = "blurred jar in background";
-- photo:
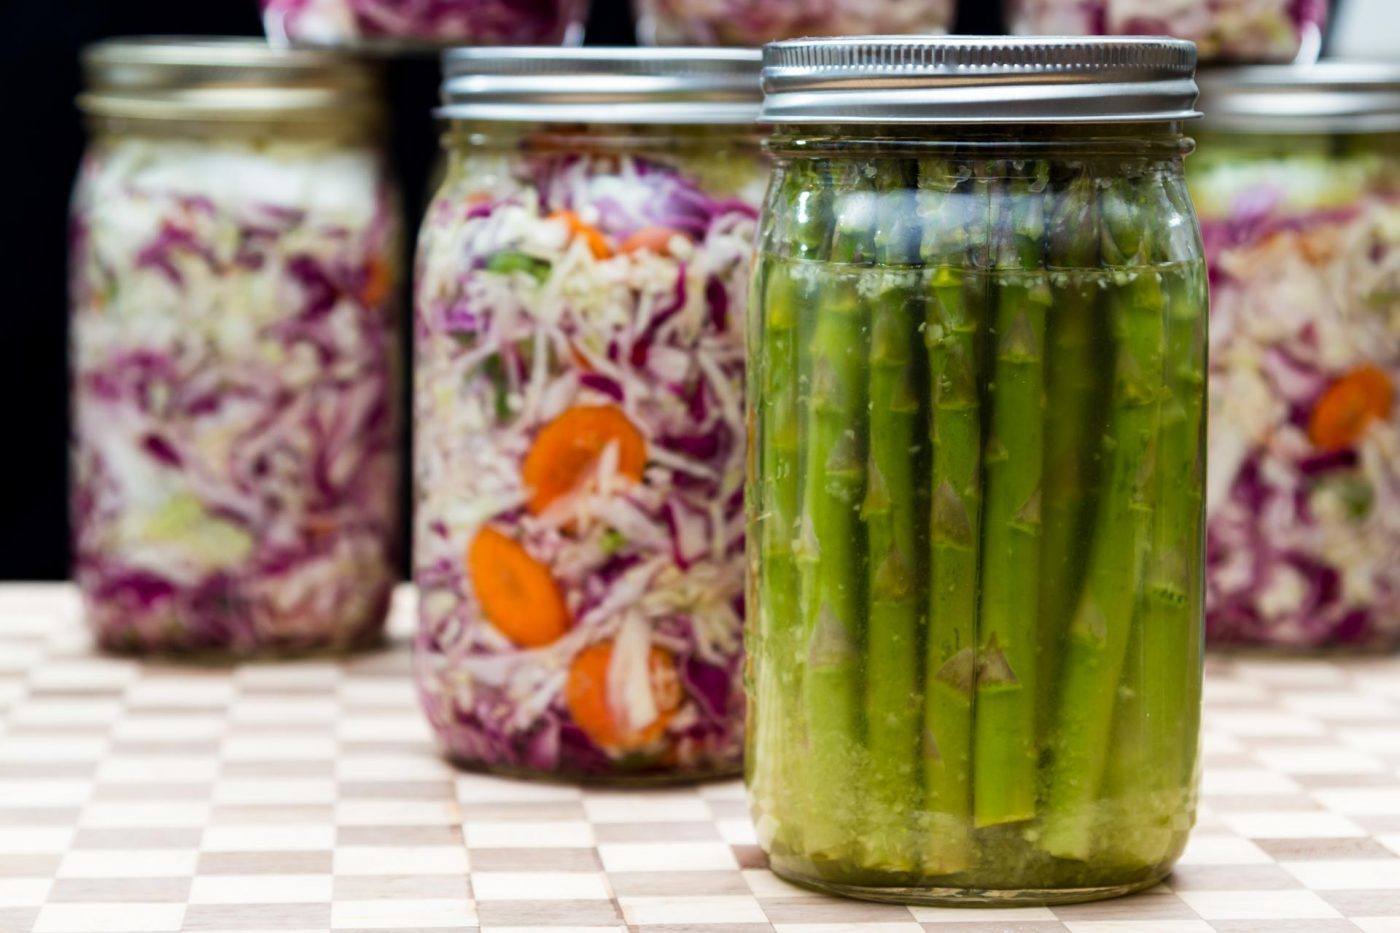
(1223, 30)
(1366, 29)
(395, 24)
(579, 448)
(233, 266)
(754, 22)
(1297, 181)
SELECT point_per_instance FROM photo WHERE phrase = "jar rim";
(224, 80)
(1328, 97)
(598, 84)
(980, 80)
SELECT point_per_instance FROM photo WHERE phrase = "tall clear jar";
(1223, 30)
(579, 367)
(1298, 185)
(396, 25)
(976, 368)
(754, 22)
(234, 260)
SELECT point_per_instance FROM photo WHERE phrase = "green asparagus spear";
(831, 546)
(1190, 301)
(956, 211)
(1004, 745)
(1172, 619)
(1102, 623)
(1123, 823)
(892, 711)
(1146, 776)
(1075, 384)
(789, 287)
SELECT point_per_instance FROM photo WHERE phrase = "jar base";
(641, 779)
(368, 643)
(972, 897)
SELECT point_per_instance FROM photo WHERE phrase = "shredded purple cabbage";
(430, 22)
(235, 442)
(754, 22)
(1223, 30)
(1303, 541)
(519, 322)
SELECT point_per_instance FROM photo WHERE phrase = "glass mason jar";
(1298, 184)
(234, 260)
(1223, 30)
(754, 22)
(581, 292)
(398, 24)
(976, 392)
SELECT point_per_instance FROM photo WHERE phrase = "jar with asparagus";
(976, 389)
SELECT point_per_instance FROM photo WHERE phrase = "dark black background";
(39, 43)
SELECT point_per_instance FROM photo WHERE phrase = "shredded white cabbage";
(233, 337)
(533, 310)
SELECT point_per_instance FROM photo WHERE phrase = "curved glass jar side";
(1223, 30)
(579, 449)
(1303, 237)
(424, 23)
(977, 396)
(234, 364)
(751, 23)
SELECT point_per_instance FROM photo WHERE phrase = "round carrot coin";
(586, 695)
(1349, 405)
(567, 449)
(516, 592)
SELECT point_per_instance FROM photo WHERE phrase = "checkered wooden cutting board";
(308, 796)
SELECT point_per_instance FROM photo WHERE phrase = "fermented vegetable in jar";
(582, 283)
(398, 24)
(1298, 184)
(754, 22)
(234, 265)
(1223, 30)
(976, 385)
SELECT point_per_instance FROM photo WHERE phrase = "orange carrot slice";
(567, 449)
(517, 593)
(579, 360)
(1349, 405)
(651, 239)
(596, 240)
(586, 695)
(379, 282)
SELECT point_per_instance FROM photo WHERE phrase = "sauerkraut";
(424, 22)
(1303, 237)
(235, 453)
(579, 460)
(1223, 30)
(754, 22)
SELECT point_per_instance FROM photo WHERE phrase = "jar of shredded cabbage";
(394, 25)
(754, 22)
(234, 265)
(1298, 184)
(976, 391)
(579, 373)
(1223, 30)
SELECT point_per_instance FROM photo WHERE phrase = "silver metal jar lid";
(1330, 97)
(979, 80)
(224, 80)
(602, 85)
